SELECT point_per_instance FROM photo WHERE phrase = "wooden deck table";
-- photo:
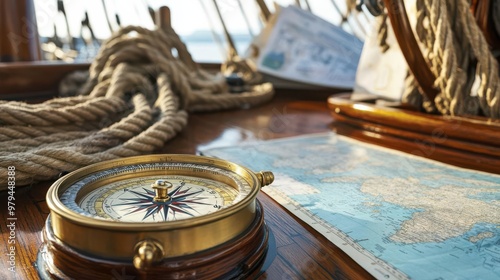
(301, 253)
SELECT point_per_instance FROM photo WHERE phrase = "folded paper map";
(397, 215)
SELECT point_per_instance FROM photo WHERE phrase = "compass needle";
(165, 213)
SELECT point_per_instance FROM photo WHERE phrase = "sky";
(188, 16)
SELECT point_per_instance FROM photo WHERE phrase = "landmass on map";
(443, 213)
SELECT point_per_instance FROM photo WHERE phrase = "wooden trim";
(409, 47)
(28, 80)
(20, 78)
(471, 143)
(483, 12)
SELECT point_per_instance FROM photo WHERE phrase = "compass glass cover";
(154, 193)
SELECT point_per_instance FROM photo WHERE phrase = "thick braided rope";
(453, 42)
(46, 115)
(383, 32)
(450, 77)
(487, 66)
(133, 100)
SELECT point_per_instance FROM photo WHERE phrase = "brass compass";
(158, 216)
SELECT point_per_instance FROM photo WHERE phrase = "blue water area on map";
(338, 169)
(487, 196)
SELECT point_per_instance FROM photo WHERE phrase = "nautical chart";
(305, 48)
(397, 215)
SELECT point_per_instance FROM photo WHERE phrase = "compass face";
(132, 193)
(133, 200)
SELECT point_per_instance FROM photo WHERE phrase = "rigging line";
(117, 16)
(260, 20)
(86, 23)
(216, 37)
(264, 10)
(345, 19)
(55, 39)
(92, 45)
(105, 8)
(140, 15)
(366, 15)
(308, 6)
(240, 5)
(359, 24)
(232, 48)
(298, 4)
(118, 21)
(364, 12)
(146, 13)
(151, 11)
(61, 9)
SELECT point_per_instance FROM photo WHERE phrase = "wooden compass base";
(239, 258)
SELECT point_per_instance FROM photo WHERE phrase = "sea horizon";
(201, 44)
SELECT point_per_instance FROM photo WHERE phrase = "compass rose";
(161, 201)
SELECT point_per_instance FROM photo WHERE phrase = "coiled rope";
(135, 97)
(457, 53)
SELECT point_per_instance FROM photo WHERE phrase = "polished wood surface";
(27, 81)
(484, 13)
(454, 140)
(301, 252)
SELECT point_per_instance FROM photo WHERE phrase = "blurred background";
(78, 27)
